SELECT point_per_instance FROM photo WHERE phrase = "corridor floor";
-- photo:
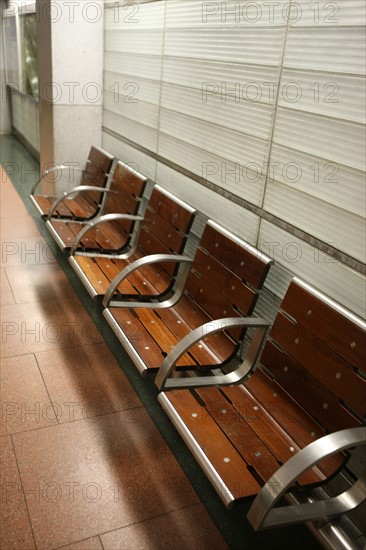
(84, 465)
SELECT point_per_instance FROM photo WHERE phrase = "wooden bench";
(222, 281)
(287, 427)
(163, 230)
(110, 231)
(81, 202)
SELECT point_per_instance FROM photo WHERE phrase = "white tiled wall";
(263, 103)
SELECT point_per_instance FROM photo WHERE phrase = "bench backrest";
(226, 276)
(317, 353)
(97, 168)
(167, 223)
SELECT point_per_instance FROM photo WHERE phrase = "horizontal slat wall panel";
(132, 72)
(335, 140)
(256, 83)
(259, 102)
(344, 231)
(334, 278)
(137, 65)
(130, 155)
(320, 178)
(319, 140)
(127, 127)
(336, 95)
(259, 46)
(216, 113)
(250, 118)
(235, 177)
(240, 221)
(325, 13)
(203, 15)
(331, 49)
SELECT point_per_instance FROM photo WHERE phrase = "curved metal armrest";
(78, 189)
(138, 264)
(98, 221)
(51, 171)
(245, 369)
(263, 515)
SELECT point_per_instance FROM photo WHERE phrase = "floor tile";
(15, 528)
(6, 295)
(10, 203)
(42, 326)
(89, 544)
(96, 476)
(39, 282)
(24, 227)
(86, 381)
(182, 530)
(25, 404)
(26, 251)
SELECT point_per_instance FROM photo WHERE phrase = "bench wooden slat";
(225, 250)
(109, 236)
(110, 269)
(96, 277)
(66, 231)
(161, 334)
(335, 374)
(171, 211)
(99, 160)
(314, 397)
(227, 284)
(226, 460)
(217, 348)
(212, 302)
(250, 446)
(173, 238)
(327, 324)
(82, 206)
(282, 446)
(146, 347)
(294, 420)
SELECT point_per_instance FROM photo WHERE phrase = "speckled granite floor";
(89, 460)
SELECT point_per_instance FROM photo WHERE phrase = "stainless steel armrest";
(263, 515)
(245, 369)
(78, 189)
(100, 220)
(138, 264)
(51, 171)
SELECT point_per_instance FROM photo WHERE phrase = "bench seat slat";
(82, 206)
(146, 347)
(96, 277)
(110, 269)
(226, 460)
(210, 350)
(160, 333)
(294, 420)
(282, 446)
(66, 230)
(255, 453)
